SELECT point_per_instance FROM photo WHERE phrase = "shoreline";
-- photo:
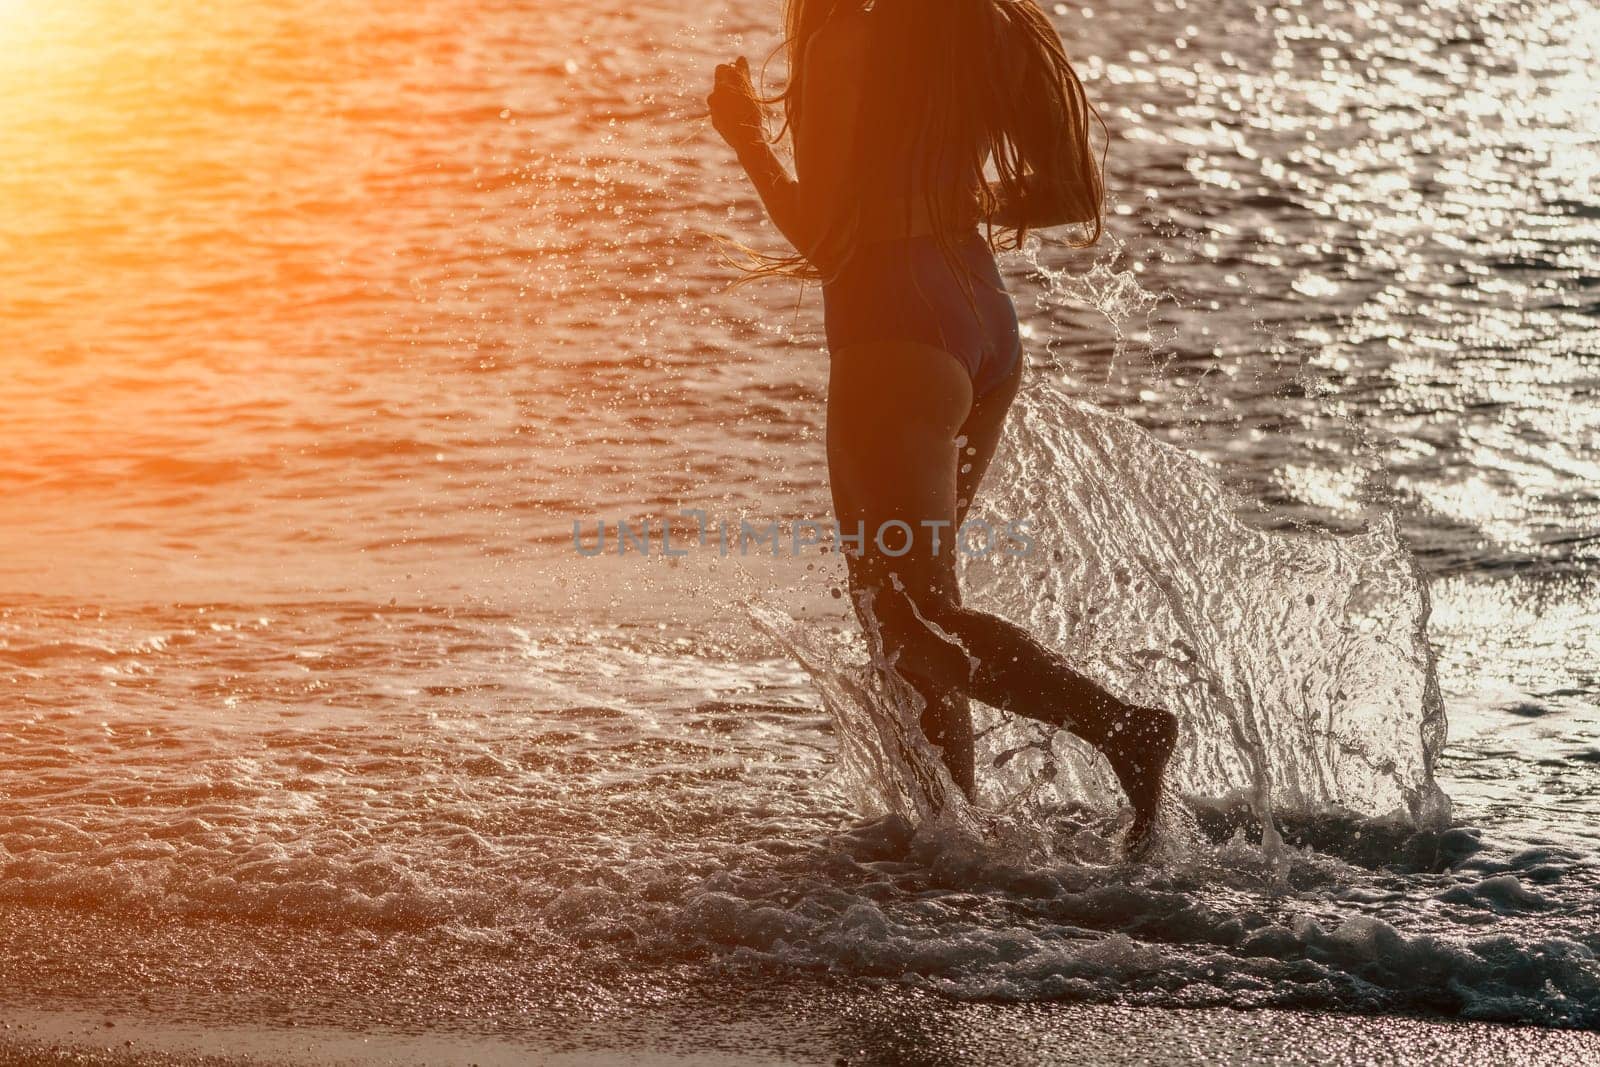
(921, 1030)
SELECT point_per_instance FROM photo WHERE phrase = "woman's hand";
(735, 110)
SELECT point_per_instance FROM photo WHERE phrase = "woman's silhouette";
(895, 108)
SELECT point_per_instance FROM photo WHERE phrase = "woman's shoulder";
(841, 42)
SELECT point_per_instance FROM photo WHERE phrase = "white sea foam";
(929, 908)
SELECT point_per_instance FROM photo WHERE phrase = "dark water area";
(324, 323)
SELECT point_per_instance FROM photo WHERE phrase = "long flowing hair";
(978, 80)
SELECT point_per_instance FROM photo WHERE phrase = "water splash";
(1127, 306)
(886, 763)
(1297, 662)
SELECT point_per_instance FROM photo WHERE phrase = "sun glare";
(19, 18)
(31, 35)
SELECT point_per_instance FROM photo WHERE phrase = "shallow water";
(327, 321)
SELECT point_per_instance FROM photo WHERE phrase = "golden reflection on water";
(258, 232)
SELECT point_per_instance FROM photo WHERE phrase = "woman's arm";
(823, 134)
(780, 194)
(736, 114)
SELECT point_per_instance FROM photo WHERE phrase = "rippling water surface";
(324, 322)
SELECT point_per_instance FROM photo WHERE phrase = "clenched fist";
(735, 111)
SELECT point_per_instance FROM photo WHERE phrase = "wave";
(934, 910)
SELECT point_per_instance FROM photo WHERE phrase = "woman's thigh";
(895, 411)
(980, 436)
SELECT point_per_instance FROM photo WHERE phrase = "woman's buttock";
(907, 290)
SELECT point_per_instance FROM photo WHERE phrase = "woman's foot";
(1138, 748)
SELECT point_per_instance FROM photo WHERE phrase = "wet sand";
(911, 1030)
